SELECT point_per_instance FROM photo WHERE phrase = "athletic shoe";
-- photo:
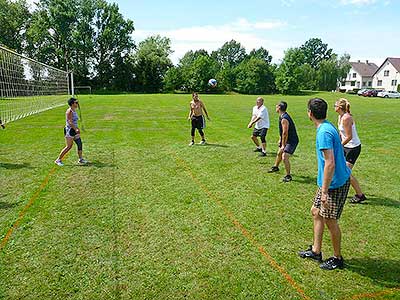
(262, 154)
(358, 199)
(287, 178)
(58, 162)
(191, 143)
(308, 253)
(203, 142)
(332, 263)
(258, 150)
(273, 169)
(82, 161)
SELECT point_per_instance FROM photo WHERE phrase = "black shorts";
(262, 132)
(351, 154)
(290, 147)
(198, 122)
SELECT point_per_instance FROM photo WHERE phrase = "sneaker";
(332, 263)
(262, 154)
(58, 162)
(308, 253)
(191, 143)
(358, 199)
(82, 161)
(287, 178)
(203, 142)
(273, 169)
(257, 150)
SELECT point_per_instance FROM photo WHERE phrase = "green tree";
(151, 62)
(173, 79)
(14, 19)
(255, 77)
(288, 76)
(113, 46)
(202, 69)
(231, 52)
(50, 34)
(315, 51)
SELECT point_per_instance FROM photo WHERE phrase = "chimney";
(358, 61)
(366, 61)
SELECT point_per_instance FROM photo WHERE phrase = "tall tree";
(255, 77)
(288, 75)
(315, 51)
(151, 62)
(231, 53)
(113, 43)
(14, 18)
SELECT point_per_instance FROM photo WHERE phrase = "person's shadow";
(215, 145)
(385, 272)
(380, 201)
(11, 166)
(305, 179)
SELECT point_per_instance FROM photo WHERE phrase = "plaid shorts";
(336, 199)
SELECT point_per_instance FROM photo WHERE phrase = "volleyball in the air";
(212, 82)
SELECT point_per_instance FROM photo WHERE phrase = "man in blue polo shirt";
(333, 185)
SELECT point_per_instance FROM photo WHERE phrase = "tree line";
(93, 39)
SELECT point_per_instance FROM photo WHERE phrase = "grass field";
(151, 218)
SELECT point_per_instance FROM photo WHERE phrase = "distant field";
(151, 218)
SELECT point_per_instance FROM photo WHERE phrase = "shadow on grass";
(305, 179)
(215, 145)
(381, 270)
(11, 166)
(380, 201)
(95, 164)
(6, 205)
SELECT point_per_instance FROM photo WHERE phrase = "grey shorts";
(336, 199)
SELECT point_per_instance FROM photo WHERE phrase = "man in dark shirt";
(288, 140)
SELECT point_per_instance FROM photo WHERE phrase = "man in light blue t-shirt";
(333, 185)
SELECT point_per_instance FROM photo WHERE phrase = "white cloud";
(210, 37)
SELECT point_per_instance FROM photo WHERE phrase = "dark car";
(371, 93)
(366, 93)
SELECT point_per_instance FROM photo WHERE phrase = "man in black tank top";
(288, 140)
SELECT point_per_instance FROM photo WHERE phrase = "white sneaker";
(202, 143)
(191, 143)
(82, 161)
(58, 162)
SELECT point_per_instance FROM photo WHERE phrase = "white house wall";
(386, 80)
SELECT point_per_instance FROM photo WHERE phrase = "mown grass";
(151, 218)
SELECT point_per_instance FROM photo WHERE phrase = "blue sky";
(366, 29)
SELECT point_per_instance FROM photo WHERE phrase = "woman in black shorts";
(351, 143)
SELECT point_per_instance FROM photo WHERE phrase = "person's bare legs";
(354, 182)
(278, 158)
(285, 158)
(336, 236)
(68, 145)
(255, 140)
(318, 230)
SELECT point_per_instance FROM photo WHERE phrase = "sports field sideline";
(151, 218)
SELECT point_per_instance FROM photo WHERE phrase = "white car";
(389, 94)
(359, 93)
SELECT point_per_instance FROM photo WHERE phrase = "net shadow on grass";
(384, 272)
(11, 166)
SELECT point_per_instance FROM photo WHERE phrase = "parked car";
(371, 93)
(389, 94)
(360, 92)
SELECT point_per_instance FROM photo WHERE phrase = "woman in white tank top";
(351, 143)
